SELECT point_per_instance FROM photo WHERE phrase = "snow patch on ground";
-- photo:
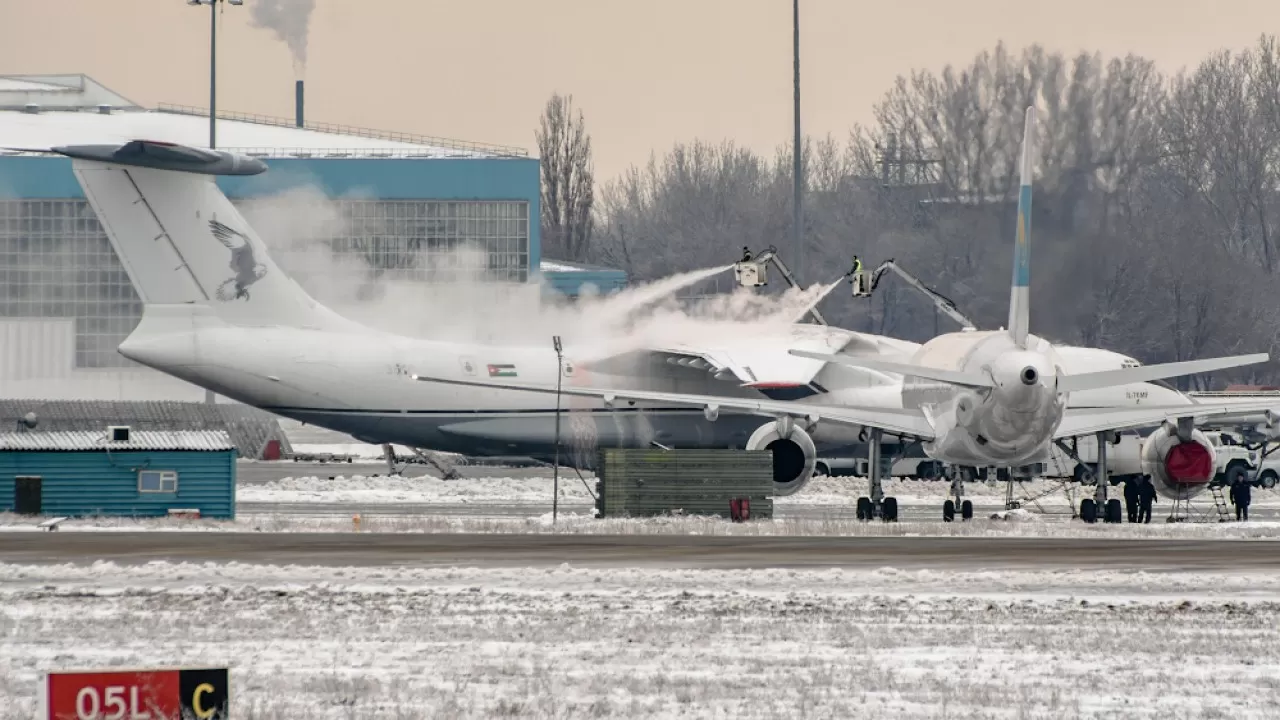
(565, 642)
(575, 522)
(359, 489)
(824, 491)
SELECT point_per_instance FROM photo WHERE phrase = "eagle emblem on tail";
(246, 268)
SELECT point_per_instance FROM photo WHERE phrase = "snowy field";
(824, 491)
(823, 508)
(565, 642)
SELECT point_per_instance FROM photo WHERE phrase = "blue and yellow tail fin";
(1020, 295)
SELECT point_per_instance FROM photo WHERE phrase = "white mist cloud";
(471, 307)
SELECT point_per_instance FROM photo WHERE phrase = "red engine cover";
(1189, 463)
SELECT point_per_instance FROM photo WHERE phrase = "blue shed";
(118, 472)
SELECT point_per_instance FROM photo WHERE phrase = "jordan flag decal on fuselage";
(502, 371)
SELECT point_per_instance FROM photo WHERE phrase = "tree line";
(1155, 211)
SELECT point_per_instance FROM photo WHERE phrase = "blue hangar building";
(394, 206)
(118, 472)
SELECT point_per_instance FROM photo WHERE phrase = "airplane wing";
(757, 363)
(893, 420)
(1086, 421)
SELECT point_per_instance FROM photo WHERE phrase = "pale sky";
(646, 73)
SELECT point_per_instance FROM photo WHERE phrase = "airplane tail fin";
(181, 240)
(1020, 294)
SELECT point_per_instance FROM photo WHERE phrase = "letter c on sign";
(201, 689)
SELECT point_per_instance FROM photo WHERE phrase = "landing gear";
(958, 476)
(448, 470)
(877, 505)
(1099, 506)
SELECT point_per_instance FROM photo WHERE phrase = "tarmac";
(541, 550)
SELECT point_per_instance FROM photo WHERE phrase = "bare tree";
(568, 186)
(1156, 202)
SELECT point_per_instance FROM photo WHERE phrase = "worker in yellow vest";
(856, 275)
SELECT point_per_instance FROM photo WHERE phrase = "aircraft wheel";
(1089, 510)
(1113, 511)
(890, 509)
(966, 510)
(948, 511)
(864, 508)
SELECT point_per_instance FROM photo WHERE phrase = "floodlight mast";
(213, 63)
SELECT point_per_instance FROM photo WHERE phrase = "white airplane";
(995, 398)
(220, 314)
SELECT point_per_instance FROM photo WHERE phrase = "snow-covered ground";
(519, 505)
(576, 522)
(840, 492)
(564, 642)
(358, 489)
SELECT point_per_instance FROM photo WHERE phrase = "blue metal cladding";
(92, 483)
(572, 282)
(32, 177)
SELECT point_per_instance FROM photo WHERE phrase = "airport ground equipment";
(865, 283)
(647, 483)
(753, 271)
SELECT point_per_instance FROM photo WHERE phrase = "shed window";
(157, 481)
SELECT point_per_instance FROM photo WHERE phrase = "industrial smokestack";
(298, 103)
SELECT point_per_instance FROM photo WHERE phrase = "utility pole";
(213, 63)
(555, 499)
(797, 170)
(213, 74)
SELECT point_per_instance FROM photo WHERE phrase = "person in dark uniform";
(746, 254)
(1241, 496)
(1131, 499)
(1146, 496)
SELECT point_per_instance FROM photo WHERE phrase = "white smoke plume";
(291, 22)
(468, 306)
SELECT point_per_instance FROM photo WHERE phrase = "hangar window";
(157, 481)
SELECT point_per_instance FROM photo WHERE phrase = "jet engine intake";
(794, 454)
(1178, 468)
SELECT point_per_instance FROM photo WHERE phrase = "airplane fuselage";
(360, 383)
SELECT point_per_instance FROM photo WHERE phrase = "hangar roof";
(81, 440)
(40, 111)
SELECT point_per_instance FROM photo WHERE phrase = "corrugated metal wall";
(95, 483)
(642, 482)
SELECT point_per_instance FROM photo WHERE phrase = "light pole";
(555, 473)
(797, 169)
(213, 63)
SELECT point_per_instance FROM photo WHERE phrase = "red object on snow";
(272, 450)
(1189, 463)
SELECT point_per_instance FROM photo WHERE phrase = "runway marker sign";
(158, 694)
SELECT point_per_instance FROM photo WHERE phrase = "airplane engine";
(1178, 468)
(794, 454)
(966, 409)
